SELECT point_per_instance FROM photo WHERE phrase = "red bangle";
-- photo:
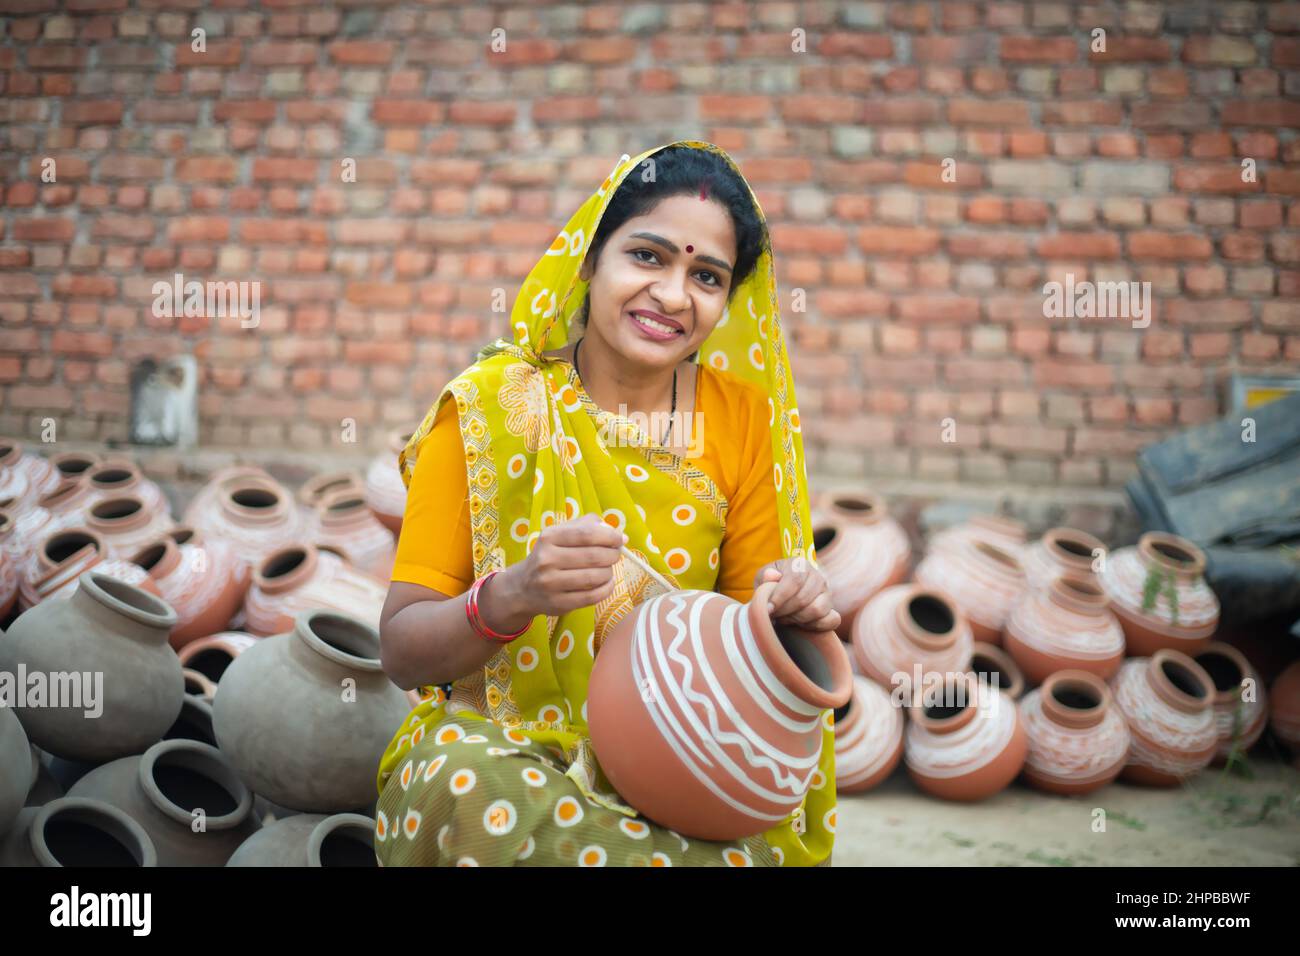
(476, 618)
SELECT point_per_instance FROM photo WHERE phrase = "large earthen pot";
(17, 767)
(906, 632)
(64, 557)
(982, 579)
(119, 477)
(1064, 625)
(254, 515)
(76, 832)
(868, 738)
(1062, 551)
(1240, 700)
(860, 551)
(1167, 701)
(1159, 593)
(346, 525)
(310, 839)
(126, 524)
(204, 581)
(708, 717)
(302, 577)
(1078, 740)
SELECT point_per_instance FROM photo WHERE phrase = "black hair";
(678, 171)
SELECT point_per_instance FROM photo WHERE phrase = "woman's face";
(674, 262)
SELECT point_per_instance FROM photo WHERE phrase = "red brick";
(1079, 245)
(1167, 245)
(1034, 49)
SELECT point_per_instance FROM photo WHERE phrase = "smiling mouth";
(655, 325)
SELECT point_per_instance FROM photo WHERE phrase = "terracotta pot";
(385, 491)
(860, 551)
(1284, 709)
(202, 580)
(198, 684)
(981, 579)
(8, 565)
(121, 477)
(110, 628)
(316, 489)
(713, 728)
(999, 530)
(907, 632)
(76, 832)
(347, 526)
(74, 464)
(23, 474)
(66, 555)
(1167, 700)
(1240, 700)
(163, 788)
(1065, 625)
(199, 511)
(967, 745)
(1078, 740)
(302, 577)
(345, 839)
(1061, 551)
(995, 667)
(212, 656)
(327, 735)
(868, 738)
(1140, 581)
(126, 525)
(252, 516)
(17, 770)
(63, 508)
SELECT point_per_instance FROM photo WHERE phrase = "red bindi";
(690, 248)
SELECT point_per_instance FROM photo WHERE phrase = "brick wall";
(924, 298)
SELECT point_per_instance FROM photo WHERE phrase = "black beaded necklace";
(672, 416)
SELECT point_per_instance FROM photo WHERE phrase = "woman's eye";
(637, 252)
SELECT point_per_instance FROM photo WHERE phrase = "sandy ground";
(1215, 820)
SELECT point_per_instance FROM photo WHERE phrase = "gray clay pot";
(16, 770)
(76, 832)
(345, 839)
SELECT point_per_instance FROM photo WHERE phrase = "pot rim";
(1078, 593)
(59, 458)
(826, 643)
(275, 512)
(1239, 660)
(1004, 662)
(930, 640)
(331, 825)
(294, 577)
(202, 681)
(124, 522)
(1074, 716)
(51, 500)
(133, 474)
(1148, 547)
(946, 725)
(11, 452)
(330, 505)
(996, 558)
(109, 818)
(48, 565)
(200, 758)
(1053, 540)
(127, 600)
(306, 622)
(859, 506)
(1168, 691)
(318, 487)
(165, 563)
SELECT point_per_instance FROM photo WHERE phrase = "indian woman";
(642, 412)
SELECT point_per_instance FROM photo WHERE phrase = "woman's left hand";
(801, 597)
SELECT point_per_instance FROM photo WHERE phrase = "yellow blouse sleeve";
(435, 547)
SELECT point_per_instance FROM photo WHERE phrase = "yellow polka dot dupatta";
(538, 451)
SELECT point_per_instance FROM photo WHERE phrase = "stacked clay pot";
(995, 667)
(720, 739)
(24, 475)
(8, 565)
(310, 839)
(860, 550)
(202, 580)
(1139, 582)
(204, 501)
(125, 524)
(1240, 701)
(17, 770)
(966, 746)
(1284, 709)
(1167, 701)
(212, 656)
(1061, 551)
(1078, 740)
(163, 788)
(385, 490)
(347, 526)
(316, 489)
(868, 738)
(76, 832)
(75, 464)
(105, 627)
(64, 557)
(120, 477)
(253, 514)
(301, 577)
(999, 530)
(1066, 625)
(982, 579)
(64, 507)
(908, 630)
(302, 716)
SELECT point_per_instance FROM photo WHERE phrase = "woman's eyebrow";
(671, 247)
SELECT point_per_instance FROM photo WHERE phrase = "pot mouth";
(1079, 593)
(1075, 698)
(929, 618)
(286, 568)
(957, 708)
(183, 534)
(127, 600)
(344, 502)
(197, 683)
(998, 558)
(124, 511)
(339, 638)
(68, 544)
(77, 831)
(863, 507)
(344, 839)
(1180, 680)
(112, 476)
(181, 777)
(253, 500)
(823, 537)
(990, 663)
(812, 664)
(74, 463)
(68, 489)
(316, 490)
(1172, 553)
(1226, 667)
(10, 452)
(1073, 547)
(210, 656)
(159, 556)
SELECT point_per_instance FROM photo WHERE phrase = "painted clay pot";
(999, 530)
(385, 490)
(868, 738)
(121, 477)
(980, 578)
(110, 628)
(162, 788)
(64, 557)
(74, 464)
(968, 744)
(202, 580)
(708, 717)
(212, 656)
(1167, 701)
(64, 507)
(1078, 740)
(17, 772)
(302, 577)
(76, 832)
(995, 667)
(253, 516)
(1065, 625)
(1240, 701)
(199, 511)
(8, 566)
(310, 839)
(348, 527)
(1284, 709)
(860, 551)
(907, 632)
(1158, 592)
(290, 726)
(1061, 551)
(38, 476)
(126, 525)
(318, 488)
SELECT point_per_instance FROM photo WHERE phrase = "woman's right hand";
(570, 566)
